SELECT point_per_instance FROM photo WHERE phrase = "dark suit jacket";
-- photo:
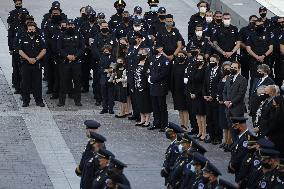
(235, 93)
(254, 100)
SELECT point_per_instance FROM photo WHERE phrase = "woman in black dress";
(120, 84)
(143, 89)
(194, 86)
(223, 123)
(177, 88)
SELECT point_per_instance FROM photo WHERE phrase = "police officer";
(226, 40)
(158, 24)
(116, 19)
(91, 126)
(91, 165)
(71, 48)
(239, 147)
(89, 31)
(170, 38)
(124, 27)
(151, 16)
(158, 78)
(104, 37)
(138, 27)
(115, 170)
(52, 32)
(259, 47)
(32, 49)
(13, 14)
(101, 175)
(172, 152)
(83, 19)
(15, 32)
(210, 176)
(280, 75)
(224, 184)
(263, 16)
(244, 56)
(197, 18)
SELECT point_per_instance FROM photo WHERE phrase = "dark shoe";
(40, 104)
(98, 103)
(162, 130)
(25, 104)
(111, 112)
(54, 96)
(153, 127)
(207, 140)
(60, 104)
(139, 124)
(104, 111)
(132, 118)
(227, 148)
(146, 125)
(49, 91)
(120, 116)
(85, 90)
(17, 91)
(138, 120)
(197, 137)
(222, 145)
(214, 142)
(78, 104)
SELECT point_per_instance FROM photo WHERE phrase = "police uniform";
(52, 32)
(226, 38)
(172, 152)
(117, 176)
(239, 148)
(159, 70)
(157, 25)
(101, 175)
(224, 184)
(31, 74)
(89, 31)
(116, 19)
(199, 43)
(71, 43)
(13, 15)
(193, 22)
(96, 50)
(91, 165)
(278, 58)
(151, 16)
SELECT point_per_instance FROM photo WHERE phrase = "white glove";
(185, 80)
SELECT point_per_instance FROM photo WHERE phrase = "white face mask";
(227, 22)
(137, 28)
(180, 148)
(154, 9)
(199, 33)
(209, 19)
(202, 9)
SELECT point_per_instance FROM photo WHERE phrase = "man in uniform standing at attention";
(71, 48)
(32, 49)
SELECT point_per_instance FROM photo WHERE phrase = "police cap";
(92, 124)
(196, 147)
(55, 8)
(55, 4)
(118, 164)
(198, 158)
(226, 184)
(162, 10)
(265, 143)
(138, 9)
(97, 137)
(262, 8)
(153, 1)
(238, 120)
(174, 127)
(210, 168)
(105, 154)
(93, 13)
(269, 153)
(101, 15)
(186, 138)
(119, 3)
(23, 11)
(169, 16)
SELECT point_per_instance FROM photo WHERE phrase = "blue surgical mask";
(154, 9)
(180, 148)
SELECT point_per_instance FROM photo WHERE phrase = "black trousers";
(86, 67)
(107, 90)
(245, 63)
(96, 83)
(50, 72)
(134, 104)
(68, 72)
(31, 82)
(16, 74)
(215, 132)
(160, 112)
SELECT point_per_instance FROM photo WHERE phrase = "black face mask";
(104, 30)
(162, 17)
(125, 19)
(251, 24)
(259, 29)
(262, 15)
(56, 18)
(226, 72)
(142, 57)
(92, 19)
(70, 30)
(168, 135)
(156, 52)
(234, 72)
(198, 63)
(84, 15)
(194, 53)
(266, 165)
(123, 46)
(205, 179)
(63, 29)
(218, 21)
(213, 65)
(264, 97)
(259, 75)
(120, 10)
(18, 7)
(180, 59)
(106, 53)
(31, 34)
